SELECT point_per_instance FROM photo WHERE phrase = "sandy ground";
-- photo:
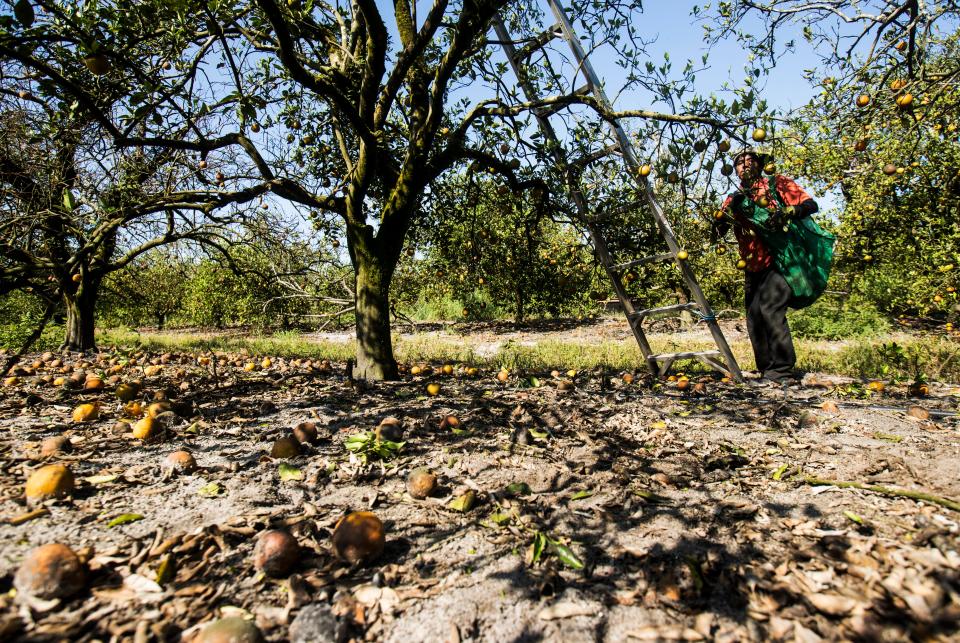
(665, 513)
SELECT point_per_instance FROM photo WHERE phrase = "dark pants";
(766, 296)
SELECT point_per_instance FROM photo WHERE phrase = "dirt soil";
(608, 511)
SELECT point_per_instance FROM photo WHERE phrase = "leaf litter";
(645, 514)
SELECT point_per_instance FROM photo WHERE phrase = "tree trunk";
(518, 309)
(80, 306)
(374, 344)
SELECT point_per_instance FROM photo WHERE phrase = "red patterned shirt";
(752, 249)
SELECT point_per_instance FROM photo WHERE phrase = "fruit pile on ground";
(235, 497)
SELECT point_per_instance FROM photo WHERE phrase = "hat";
(763, 156)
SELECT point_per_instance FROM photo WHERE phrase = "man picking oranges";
(785, 255)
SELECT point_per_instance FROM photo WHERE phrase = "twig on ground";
(887, 491)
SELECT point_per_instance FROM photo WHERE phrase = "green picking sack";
(802, 250)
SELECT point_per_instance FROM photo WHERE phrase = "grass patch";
(934, 357)
(284, 344)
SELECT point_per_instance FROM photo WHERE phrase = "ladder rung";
(587, 159)
(606, 216)
(639, 262)
(664, 309)
(672, 356)
(537, 43)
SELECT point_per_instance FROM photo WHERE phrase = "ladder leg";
(572, 180)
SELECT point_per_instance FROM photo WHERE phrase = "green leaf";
(167, 570)
(854, 517)
(464, 503)
(580, 495)
(289, 472)
(211, 490)
(566, 556)
(780, 471)
(500, 518)
(518, 489)
(536, 549)
(651, 497)
(888, 437)
(124, 519)
(69, 202)
(538, 435)
(24, 13)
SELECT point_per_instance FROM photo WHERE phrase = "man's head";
(747, 166)
(748, 163)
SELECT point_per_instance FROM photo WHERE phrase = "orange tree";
(328, 109)
(897, 172)
(76, 204)
(485, 244)
(882, 133)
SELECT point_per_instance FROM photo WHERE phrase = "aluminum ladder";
(721, 358)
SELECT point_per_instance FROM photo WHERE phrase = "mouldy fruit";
(628, 378)
(55, 446)
(359, 537)
(179, 462)
(158, 408)
(503, 375)
(306, 433)
(147, 428)
(830, 407)
(565, 385)
(133, 409)
(919, 389)
(449, 422)
(127, 391)
(50, 571)
(50, 481)
(723, 146)
(889, 169)
(390, 429)
(233, 629)
(86, 412)
(93, 384)
(421, 483)
(286, 447)
(276, 553)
